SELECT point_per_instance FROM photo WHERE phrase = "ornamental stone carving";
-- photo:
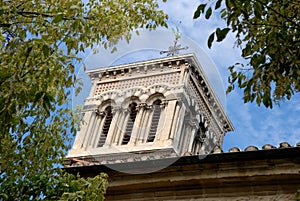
(185, 98)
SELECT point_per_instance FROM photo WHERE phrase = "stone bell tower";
(147, 110)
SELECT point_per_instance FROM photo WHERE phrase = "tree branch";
(273, 25)
(278, 13)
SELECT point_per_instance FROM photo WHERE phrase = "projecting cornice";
(168, 65)
(144, 67)
(211, 99)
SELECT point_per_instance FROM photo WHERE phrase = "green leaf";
(36, 77)
(257, 9)
(199, 10)
(267, 100)
(46, 51)
(208, 13)
(210, 39)
(58, 18)
(258, 101)
(74, 7)
(4, 74)
(218, 4)
(229, 3)
(4, 196)
(229, 89)
(221, 33)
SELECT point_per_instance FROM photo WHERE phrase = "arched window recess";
(108, 115)
(130, 122)
(156, 113)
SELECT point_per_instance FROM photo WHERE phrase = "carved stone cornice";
(144, 67)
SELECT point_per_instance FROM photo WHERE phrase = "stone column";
(135, 135)
(113, 126)
(191, 138)
(175, 120)
(186, 137)
(81, 134)
(124, 125)
(182, 139)
(161, 127)
(88, 129)
(100, 122)
(169, 118)
(95, 131)
(136, 126)
(120, 128)
(118, 112)
(146, 123)
(179, 126)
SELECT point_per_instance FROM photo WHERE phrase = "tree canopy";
(267, 31)
(39, 46)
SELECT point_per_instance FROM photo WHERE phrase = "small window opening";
(106, 126)
(155, 120)
(130, 123)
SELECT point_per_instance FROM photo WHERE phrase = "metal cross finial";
(174, 50)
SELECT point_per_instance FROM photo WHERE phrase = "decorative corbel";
(100, 113)
(100, 76)
(144, 106)
(163, 104)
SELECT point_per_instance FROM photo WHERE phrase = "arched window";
(130, 122)
(155, 120)
(106, 125)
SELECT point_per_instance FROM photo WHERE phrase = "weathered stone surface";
(183, 160)
(268, 146)
(234, 149)
(254, 175)
(251, 148)
(190, 121)
(284, 145)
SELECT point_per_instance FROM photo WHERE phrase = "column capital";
(164, 103)
(125, 110)
(144, 106)
(116, 109)
(179, 101)
(99, 113)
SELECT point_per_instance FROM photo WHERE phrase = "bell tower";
(148, 110)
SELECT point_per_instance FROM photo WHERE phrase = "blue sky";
(253, 125)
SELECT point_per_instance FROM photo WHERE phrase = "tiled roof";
(75, 162)
(254, 148)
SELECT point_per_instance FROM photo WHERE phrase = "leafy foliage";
(83, 189)
(39, 42)
(268, 34)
